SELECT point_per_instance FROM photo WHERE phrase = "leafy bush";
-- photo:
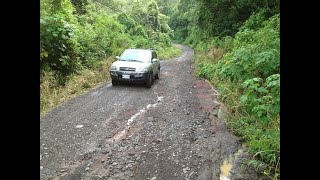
(255, 21)
(255, 53)
(141, 42)
(131, 26)
(59, 49)
(248, 80)
(262, 100)
(168, 52)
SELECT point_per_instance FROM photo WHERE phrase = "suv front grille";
(127, 69)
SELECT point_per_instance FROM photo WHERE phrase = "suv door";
(155, 65)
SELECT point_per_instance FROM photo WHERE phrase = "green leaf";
(243, 99)
(42, 21)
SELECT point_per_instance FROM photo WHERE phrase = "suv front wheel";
(114, 82)
(158, 74)
(149, 81)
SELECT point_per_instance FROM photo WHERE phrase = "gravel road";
(172, 131)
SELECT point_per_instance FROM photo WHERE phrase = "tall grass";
(53, 94)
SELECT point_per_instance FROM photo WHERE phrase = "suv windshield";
(136, 55)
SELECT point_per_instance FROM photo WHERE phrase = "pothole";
(225, 169)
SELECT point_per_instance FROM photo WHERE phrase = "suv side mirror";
(117, 57)
(154, 60)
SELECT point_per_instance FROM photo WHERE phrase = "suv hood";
(132, 64)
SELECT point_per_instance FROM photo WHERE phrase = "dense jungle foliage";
(236, 42)
(79, 39)
(237, 48)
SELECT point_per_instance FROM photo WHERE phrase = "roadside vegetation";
(237, 48)
(79, 40)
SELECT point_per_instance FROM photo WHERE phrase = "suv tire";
(158, 74)
(149, 81)
(114, 82)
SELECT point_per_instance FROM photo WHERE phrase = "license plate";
(126, 76)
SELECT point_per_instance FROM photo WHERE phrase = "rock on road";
(168, 132)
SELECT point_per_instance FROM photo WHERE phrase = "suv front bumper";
(133, 76)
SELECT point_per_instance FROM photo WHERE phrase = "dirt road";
(172, 131)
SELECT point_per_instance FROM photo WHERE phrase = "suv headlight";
(143, 70)
(114, 68)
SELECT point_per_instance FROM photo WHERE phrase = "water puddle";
(226, 168)
(121, 134)
(228, 164)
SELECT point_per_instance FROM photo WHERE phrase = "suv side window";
(154, 55)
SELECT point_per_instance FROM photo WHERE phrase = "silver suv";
(136, 65)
